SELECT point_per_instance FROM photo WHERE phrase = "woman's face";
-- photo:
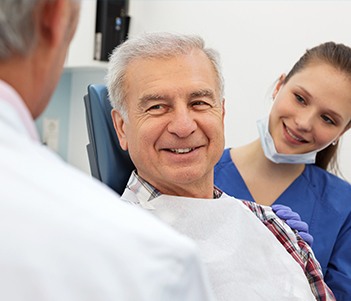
(311, 110)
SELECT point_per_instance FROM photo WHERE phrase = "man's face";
(175, 132)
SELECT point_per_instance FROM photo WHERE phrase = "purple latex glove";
(294, 221)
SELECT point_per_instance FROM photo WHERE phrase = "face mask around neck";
(272, 154)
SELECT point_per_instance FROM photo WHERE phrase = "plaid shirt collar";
(145, 192)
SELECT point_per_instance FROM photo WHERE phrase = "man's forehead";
(164, 78)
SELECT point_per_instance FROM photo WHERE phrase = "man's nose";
(182, 122)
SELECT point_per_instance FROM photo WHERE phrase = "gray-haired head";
(153, 45)
(17, 32)
(16, 26)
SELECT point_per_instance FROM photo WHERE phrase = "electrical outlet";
(51, 127)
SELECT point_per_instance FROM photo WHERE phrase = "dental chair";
(108, 162)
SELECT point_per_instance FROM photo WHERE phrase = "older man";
(64, 236)
(167, 94)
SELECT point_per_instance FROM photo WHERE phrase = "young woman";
(298, 142)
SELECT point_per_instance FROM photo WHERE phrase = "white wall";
(78, 134)
(258, 40)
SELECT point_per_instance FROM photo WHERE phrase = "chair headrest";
(108, 161)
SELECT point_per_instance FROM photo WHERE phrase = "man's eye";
(300, 99)
(156, 109)
(200, 105)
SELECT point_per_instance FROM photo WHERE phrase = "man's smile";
(181, 150)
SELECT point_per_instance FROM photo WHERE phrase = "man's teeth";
(293, 136)
(181, 150)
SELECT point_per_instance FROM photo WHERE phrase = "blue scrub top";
(324, 202)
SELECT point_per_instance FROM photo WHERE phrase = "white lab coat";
(64, 236)
(245, 261)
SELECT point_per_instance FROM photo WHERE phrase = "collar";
(9, 95)
(145, 192)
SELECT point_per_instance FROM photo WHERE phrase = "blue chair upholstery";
(108, 162)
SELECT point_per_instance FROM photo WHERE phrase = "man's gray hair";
(17, 32)
(153, 45)
(16, 26)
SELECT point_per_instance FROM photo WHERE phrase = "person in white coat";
(63, 235)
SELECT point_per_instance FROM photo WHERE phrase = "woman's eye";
(328, 120)
(300, 99)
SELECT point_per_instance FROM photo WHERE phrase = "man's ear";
(120, 128)
(279, 84)
(223, 110)
(52, 21)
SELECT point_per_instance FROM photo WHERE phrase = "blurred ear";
(119, 125)
(223, 110)
(52, 21)
(279, 84)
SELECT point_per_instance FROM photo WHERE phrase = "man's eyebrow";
(157, 96)
(153, 96)
(202, 93)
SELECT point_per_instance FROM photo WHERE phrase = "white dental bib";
(243, 258)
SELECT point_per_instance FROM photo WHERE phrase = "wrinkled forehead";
(193, 71)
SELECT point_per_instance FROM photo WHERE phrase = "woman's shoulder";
(329, 185)
(327, 178)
